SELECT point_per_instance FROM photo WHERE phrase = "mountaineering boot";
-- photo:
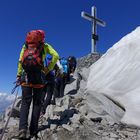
(21, 134)
(53, 102)
(34, 136)
(43, 111)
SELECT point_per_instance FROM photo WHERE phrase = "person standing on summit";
(30, 74)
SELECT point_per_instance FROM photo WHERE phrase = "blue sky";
(65, 30)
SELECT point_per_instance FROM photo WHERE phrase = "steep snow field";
(117, 75)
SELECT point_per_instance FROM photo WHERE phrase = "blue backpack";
(64, 64)
(48, 60)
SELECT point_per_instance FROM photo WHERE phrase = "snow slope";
(117, 75)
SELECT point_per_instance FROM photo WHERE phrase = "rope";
(6, 124)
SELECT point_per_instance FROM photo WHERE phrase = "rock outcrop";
(80, 115)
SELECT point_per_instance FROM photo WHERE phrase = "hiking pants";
(48, 91)
(62, 86)
(29, 94)
(59, 87)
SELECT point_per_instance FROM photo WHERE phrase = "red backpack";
(32, 59)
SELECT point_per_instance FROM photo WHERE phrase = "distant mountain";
(5, 101)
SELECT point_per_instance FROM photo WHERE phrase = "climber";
(31, 73)
(72, 66)
(49, 92)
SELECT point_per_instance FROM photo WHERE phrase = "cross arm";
(91, 18)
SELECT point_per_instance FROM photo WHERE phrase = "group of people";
(42, 75)
(56, 79)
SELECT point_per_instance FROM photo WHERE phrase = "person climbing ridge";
(49, 85)
(31, 74)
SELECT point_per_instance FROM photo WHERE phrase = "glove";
(62, 75)
(61, 71)
(18, 80)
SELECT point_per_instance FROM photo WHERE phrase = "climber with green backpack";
(30, 75)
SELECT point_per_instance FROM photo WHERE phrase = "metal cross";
(94, 21)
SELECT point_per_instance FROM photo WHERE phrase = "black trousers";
(48, 91)
(60, 84)
(29, 94)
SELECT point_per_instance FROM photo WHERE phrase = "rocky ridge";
(78, 115)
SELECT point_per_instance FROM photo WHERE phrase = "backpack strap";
(26, 46)
(45, 61)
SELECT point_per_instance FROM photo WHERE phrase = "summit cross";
(93, 18)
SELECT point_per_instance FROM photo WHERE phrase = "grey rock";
(80, 116)
(67, 127)
(138, 134)
(53, 126)
(75, 119)
(113, 135)
(75, 101)
(105, 134)
(87, 61)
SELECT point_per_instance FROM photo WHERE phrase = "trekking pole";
(6, 124)
(18, 83)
